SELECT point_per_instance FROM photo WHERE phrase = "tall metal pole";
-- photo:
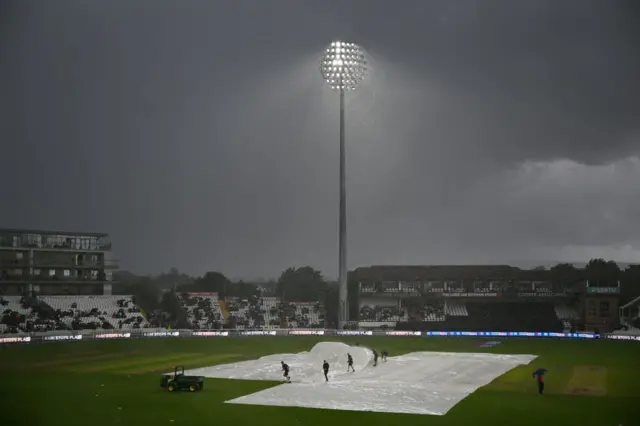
(343, 66)
(343, 313)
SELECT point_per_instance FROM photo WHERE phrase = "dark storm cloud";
(200, 135)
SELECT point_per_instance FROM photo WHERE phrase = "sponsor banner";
(210, 333)
(26, 339)
(511, 334)
(402, 333)
(540, 294)
(51, 337)
(64, 337)
(603, 290)
(623, 337)
(258, 333)
(306, 332)
(470, 294)
(113, 336)
(354, 333)
(161, 334)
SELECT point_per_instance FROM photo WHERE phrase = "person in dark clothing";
(325, 367)
(375, 357)
(350, 363)
(384, 356)
(539, 376)
(285, 369)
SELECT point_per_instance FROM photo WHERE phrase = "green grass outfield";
(99, 383)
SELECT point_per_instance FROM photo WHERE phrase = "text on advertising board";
(403, 333)
(63, 337)
(210, 333)
(354, 333)
(258, 333)
(113, 336)
(306, 332)
(470, 294)
(162, 334)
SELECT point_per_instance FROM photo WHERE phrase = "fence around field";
(60, 336)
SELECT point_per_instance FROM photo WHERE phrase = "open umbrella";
(540, 372)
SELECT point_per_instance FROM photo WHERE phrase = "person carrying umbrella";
(539, 376)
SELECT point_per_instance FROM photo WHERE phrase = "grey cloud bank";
(200, 134)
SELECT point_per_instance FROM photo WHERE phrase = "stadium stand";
(303, 315)
(382, 313)
(271, 312)
(48, 313)
(203, 310)
(428, 312)
(259, 312)
(14, 315)
(246, 313)
(567, 315)
(455, 309)
(510, 316)
(94, 312)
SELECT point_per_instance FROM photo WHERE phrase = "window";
(19, 255)
(52, 272)
(592, 308)
(66, 273)
(604, 309)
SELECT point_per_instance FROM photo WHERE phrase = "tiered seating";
(303, 315)
(378, 313)
(203, 309)
(456, 309)
(628, 330)
(95, 312)
(429, 312)
(566, 315)
(246, 313)
(271, 307)
(13, 317)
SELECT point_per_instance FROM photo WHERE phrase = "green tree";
(146, 294)
(564, 274)
(600, 272)
(211, 282)
(301, 284)
(173, 278)
(170, 304)
(630, 283)
(241, 289)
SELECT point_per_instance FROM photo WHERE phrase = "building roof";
(435, 272)
(44, 232)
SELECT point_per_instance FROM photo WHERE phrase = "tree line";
(303, 284)
(306, 284)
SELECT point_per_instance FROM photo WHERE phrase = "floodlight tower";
(343, 67)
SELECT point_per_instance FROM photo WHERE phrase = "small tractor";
(179, 382)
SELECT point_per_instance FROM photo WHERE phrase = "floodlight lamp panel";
(343, 65)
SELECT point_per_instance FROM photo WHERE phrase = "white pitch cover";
(415, 383)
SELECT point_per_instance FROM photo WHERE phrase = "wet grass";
(116, 383)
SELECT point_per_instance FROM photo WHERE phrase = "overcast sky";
(200, 134)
